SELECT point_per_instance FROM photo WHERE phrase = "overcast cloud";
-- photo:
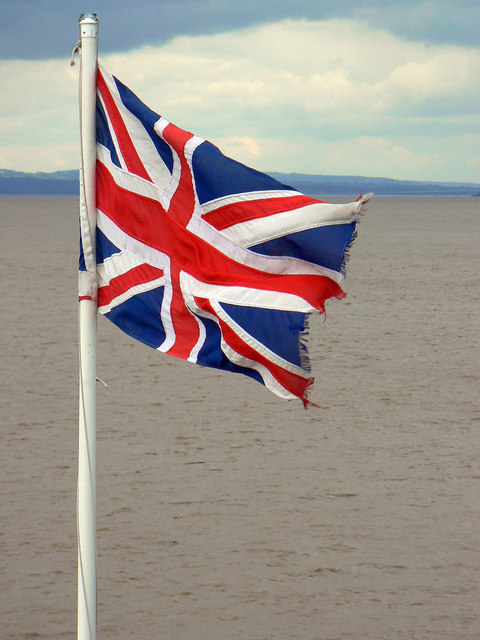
(45, 28)
(312, 87)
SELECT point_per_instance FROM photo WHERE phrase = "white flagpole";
(86, 490)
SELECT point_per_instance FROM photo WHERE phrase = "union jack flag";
(203, 258)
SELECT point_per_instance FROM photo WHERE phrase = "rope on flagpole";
(76, 49)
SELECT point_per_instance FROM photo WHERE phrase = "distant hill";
(354, 185)
(66, 183)
(56, 183)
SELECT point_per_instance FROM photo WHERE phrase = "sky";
(372, 88)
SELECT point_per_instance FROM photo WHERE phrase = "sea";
(222, 510)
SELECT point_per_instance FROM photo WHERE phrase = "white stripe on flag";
(151, 160)
(114, 266)
(260, 230)
(270, 264)
(112, 135)
(133, 291)
(244, 296)
(247, 196)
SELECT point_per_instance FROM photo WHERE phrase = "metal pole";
(86, 489)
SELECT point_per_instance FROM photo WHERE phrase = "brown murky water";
(224, 512)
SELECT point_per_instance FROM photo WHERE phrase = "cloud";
(240, 147)
(429, 21)
(336, 65)
(317, 97)
(38, 116)
(45, 156)
(381, 154)
(125, 25)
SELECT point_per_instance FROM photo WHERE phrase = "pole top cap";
(88, 26)
(88, 18)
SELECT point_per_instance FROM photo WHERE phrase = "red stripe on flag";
(129, 153)
(182, 204)
(185, 326)
(236, 212)
(146, 220)
(120, 284)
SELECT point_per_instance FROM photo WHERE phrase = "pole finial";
(88, 25)
(88, 18)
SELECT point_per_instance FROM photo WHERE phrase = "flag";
(202, 257)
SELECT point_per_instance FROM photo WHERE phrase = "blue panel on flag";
(324, 246)
(148, 118)
(81, 260)
(105, 248)
(279, 331)
(211, 355)
(140, 317)
(217, 176)
(103, 133)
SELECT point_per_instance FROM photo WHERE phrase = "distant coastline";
(66, 183)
